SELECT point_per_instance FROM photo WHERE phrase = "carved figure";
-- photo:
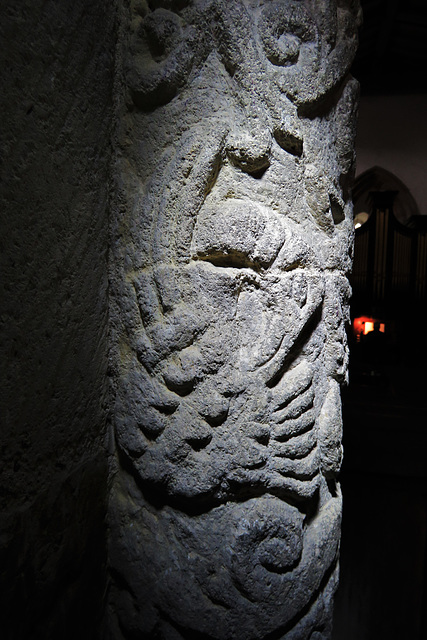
(232, 244)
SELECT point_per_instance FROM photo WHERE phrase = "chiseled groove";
(181, 388)
(300, 479)
(216, 421)
(258, 464)
(304, 468)
(296, 407)
(281, 363)
(166, 408)
(286, 398)
(289, 142)
(295, 426)
(295, 448)
(235, 259)
(199, 443)
(299, 489)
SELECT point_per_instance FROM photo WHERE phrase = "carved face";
(231, 282)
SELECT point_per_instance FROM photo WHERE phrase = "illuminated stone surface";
(232, 236)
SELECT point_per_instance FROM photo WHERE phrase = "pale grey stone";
(232, 228)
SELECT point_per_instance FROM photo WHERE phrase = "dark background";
(383, 590)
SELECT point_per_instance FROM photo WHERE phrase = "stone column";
(232, 240)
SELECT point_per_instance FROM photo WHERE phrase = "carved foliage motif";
(232, 242)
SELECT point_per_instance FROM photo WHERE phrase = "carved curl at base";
(232, 243)
(197, 574)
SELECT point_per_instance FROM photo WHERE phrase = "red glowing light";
(365, 324)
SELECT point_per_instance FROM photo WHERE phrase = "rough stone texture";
(56, 65)
(232, 239)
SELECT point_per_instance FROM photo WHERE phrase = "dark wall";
(56, 62)
(391, 134)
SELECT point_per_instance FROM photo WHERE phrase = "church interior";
(383, 588)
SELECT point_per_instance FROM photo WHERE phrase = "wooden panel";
(360, 265)
(380, 257)
(401, 270)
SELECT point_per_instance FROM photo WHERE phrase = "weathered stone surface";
(232, 233)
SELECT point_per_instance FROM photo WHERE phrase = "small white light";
(360, 219)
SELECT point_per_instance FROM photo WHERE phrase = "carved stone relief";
(232, 241)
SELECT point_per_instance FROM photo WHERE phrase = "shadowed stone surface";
(232, 240)
(56, 75)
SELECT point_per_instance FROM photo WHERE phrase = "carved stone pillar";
(232, 240)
